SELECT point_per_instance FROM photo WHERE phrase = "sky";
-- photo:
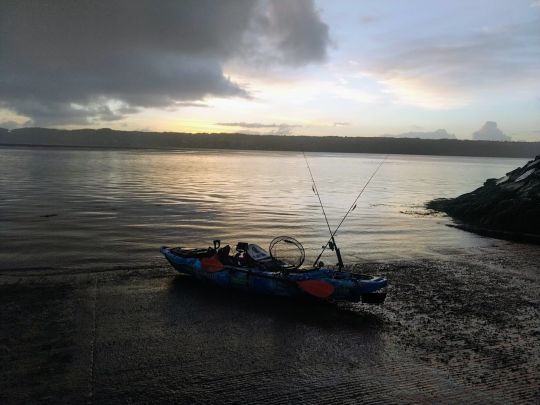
(466, 69)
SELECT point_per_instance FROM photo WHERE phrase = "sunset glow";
(366, 69)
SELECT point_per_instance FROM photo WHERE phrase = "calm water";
(67, 207)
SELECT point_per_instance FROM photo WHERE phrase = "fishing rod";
(332, 242)
(316, 191)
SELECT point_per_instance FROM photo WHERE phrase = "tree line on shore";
(108, 138)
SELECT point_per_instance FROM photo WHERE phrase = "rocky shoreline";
(505, 208)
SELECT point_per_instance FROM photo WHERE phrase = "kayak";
(252, 269)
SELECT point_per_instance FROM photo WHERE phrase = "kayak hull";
(321, 283)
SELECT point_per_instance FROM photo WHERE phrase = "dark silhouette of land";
(108, 138)
(507, 208)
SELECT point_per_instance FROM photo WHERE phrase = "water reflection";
(100, 207)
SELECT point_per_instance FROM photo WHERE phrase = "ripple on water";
(69, 207)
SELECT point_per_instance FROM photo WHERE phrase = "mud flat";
(462, 328)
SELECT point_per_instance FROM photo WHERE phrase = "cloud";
(342, 124)
(279, 129)
(284, 129)
(438, 134)
(78, 62)
(247, 124)
(287, 32)
(490, 132)
(444, 72)
(9, 124)
(190, 104)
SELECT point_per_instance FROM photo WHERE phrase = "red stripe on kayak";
(211, 264)
(317, 288)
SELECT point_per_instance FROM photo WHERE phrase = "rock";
(508, 207)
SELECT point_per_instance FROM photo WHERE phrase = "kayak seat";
(257, 253)
(223, 254)
(259, 257)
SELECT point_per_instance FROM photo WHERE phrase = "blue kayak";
(262, 274)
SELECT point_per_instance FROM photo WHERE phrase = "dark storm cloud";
(285, 32)
(298, 32)
(190, 104)
(77, 61)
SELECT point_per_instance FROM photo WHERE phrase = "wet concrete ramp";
(149, 335)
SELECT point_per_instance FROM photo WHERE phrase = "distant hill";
(438, 134)
(108, 138)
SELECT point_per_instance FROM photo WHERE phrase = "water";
(81, 207)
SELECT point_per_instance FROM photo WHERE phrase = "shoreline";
(209, 149)
(106, 137)
(506, 208)
(461, 328)
(498, 233)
